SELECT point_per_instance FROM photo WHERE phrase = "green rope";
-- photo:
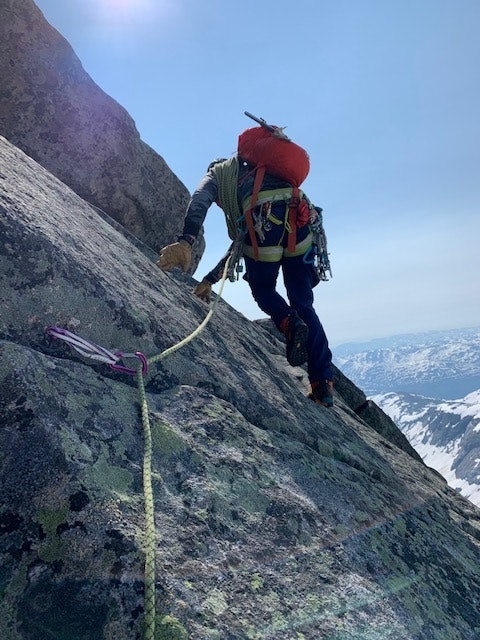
(200, 327)
(150, 532)
(226, 174)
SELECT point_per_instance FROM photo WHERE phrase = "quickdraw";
(93, 351)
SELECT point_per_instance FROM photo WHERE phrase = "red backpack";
(269, 150)
(280, 157)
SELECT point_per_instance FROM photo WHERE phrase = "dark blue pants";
(298, 277)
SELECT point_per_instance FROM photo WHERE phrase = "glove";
(178, 254)
(203, 290)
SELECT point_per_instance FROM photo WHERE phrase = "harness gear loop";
(320, 259)
(236, 254)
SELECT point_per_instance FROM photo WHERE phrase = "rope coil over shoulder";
(98, 353)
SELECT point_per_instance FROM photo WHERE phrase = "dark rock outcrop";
(275, 518)
(52, 110)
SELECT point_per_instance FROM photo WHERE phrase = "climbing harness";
(111, 358)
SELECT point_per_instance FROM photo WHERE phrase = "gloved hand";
(178, 254)
(203, 290)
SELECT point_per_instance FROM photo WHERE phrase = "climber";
(230, 183)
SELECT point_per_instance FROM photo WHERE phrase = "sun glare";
(125, 12)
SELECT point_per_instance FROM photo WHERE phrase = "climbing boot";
(322, 393)
(296, 334)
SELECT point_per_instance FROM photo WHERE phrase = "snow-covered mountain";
(440, 364)
(445, 433)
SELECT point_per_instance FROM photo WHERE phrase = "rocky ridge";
(275, 518)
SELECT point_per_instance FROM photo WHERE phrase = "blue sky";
(383, 94)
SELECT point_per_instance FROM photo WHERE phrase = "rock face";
(275, 518)
(52, 110)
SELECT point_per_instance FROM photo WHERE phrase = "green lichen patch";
(215, 602)
(108, 477)
(169, 628)
(53, 548)
(166, 441)
(50, 519)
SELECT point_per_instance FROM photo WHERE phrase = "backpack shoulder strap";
(259, 175)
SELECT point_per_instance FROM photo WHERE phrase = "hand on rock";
(203, 290)
(178, 254)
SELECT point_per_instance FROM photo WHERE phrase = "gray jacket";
(207, 193)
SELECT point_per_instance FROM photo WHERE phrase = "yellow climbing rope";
(200, 327)
(96, 352)
(150, 535)
(150, 531)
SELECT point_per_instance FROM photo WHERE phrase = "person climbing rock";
(265, 213)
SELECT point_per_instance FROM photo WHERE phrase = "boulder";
(52, 110)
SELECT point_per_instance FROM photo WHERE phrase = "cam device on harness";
(269, 150)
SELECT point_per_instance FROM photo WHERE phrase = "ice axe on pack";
(276, 131)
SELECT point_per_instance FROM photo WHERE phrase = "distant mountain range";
(406, 375)
(445, 433)
(440, 364)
